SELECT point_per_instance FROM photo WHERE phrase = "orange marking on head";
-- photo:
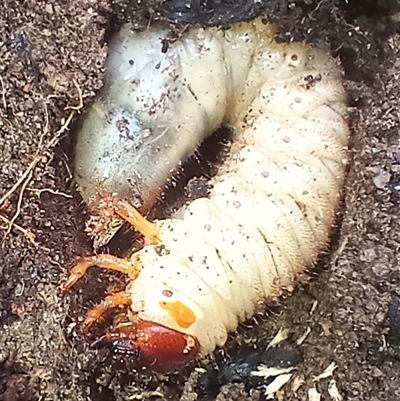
(182, 314)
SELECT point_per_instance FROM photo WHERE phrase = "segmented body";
(268, 215)
(272, 204)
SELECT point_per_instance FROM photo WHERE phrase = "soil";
(52, 56)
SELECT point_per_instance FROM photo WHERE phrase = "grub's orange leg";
(126, 266)
(111, 301)
(147, 228)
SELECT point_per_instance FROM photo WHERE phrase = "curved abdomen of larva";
(158, 103)
(270, 210)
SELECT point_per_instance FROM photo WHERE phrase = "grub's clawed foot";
(129, 267)
(76, 273)
(120, 299)
(147, 228)
(107, 207)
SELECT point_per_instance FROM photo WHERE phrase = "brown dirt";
(47, 51)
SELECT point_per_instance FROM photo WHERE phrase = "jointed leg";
(145, 227)
(126, 266)
(111, 301)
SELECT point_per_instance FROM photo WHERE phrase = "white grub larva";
(271, 207)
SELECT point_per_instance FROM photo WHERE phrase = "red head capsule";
(151, 346)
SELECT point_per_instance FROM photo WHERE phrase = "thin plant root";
(27, 176)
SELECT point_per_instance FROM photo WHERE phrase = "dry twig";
(19, 203)
(21, 179)
(26, 177)
(3, 89)
(28, 233)
(52, 191)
